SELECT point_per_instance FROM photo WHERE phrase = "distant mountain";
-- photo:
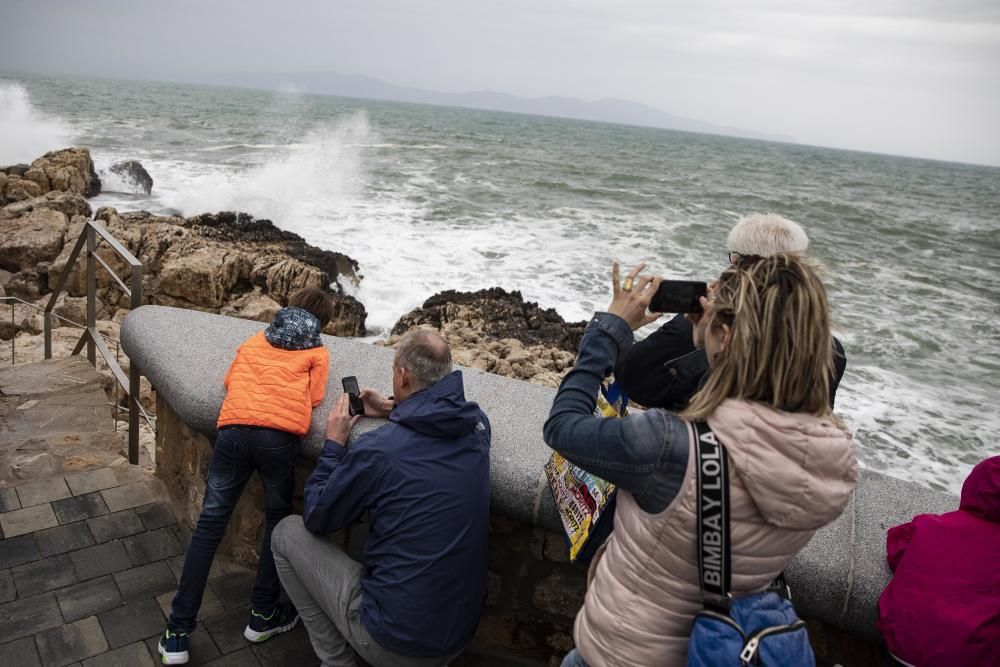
(608, 110)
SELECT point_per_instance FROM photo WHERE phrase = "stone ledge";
(837, 578)
(185, 355)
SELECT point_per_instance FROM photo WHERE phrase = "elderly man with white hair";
(665, 369)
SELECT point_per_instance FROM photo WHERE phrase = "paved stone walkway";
(89, 563)
(90, 550)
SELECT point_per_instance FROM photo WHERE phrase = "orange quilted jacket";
(272, 387)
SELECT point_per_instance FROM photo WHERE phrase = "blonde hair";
(766, 234)
(780, 350)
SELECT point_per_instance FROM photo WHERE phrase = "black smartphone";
(353, 392)
(678, 296)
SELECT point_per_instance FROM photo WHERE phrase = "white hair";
(766, 234)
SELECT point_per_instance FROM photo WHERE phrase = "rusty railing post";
(47, 320)
(91, 296)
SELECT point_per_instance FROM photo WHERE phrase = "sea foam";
(323, 167)
(25, 132)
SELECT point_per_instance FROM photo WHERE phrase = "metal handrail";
(91, 337)
(78, 325)
(150, 420)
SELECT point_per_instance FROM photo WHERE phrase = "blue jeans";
(238, 452)
(573, 659)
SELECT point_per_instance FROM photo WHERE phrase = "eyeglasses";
(742, 261)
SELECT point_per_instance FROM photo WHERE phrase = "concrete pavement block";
(132, 622)
(145, 581)
(91, 480)
(90, 597)
(17, 550)
(28, 520)
(154, 545)
(72, 642)
(100, 560)
(78, 508)
(59, 540)
(156, 515)
(43, 575)
(7, 589)
(132, 495)
(9, 500)
(114, 526)
(43, 491)
(21, 653)
(133, 655)
(28, 616)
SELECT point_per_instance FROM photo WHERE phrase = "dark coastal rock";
(499, 332)
(242, 227)
(132, 172)
(497, 314)
(15, 170)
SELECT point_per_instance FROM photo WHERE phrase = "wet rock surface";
(134, 175)
(67, 170)
(222, 262)
(499, 332)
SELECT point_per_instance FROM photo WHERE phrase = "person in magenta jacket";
(943, 604)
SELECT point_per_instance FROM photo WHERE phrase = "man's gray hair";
(766, 234)
(426, 355)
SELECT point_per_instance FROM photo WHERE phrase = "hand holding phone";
(678, 296)
(350, 384)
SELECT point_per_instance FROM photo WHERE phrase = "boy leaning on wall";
(278, 376)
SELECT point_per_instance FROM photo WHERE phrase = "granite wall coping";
(837, 578)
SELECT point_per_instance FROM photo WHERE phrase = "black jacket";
(665, 370)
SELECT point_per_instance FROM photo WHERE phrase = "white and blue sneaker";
(263, 626)
(173, 648)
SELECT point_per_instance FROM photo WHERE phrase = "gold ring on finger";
(627, 285)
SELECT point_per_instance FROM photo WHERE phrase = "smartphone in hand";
(350, 384)
(678, 296)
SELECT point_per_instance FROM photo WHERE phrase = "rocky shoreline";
(499, 332)
(232, 264)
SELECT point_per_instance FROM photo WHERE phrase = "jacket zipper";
(752, 644)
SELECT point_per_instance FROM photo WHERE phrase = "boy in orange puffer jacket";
(278, 377)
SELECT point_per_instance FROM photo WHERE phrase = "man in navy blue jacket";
(424, 480)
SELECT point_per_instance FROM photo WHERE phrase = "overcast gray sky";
(910, 77)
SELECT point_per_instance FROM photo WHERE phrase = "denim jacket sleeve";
(646, 454)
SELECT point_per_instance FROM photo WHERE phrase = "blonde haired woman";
(766, 332)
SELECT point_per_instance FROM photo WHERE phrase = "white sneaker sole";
(172, 658)
(254, 636)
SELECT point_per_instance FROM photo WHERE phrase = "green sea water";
(430, 198)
